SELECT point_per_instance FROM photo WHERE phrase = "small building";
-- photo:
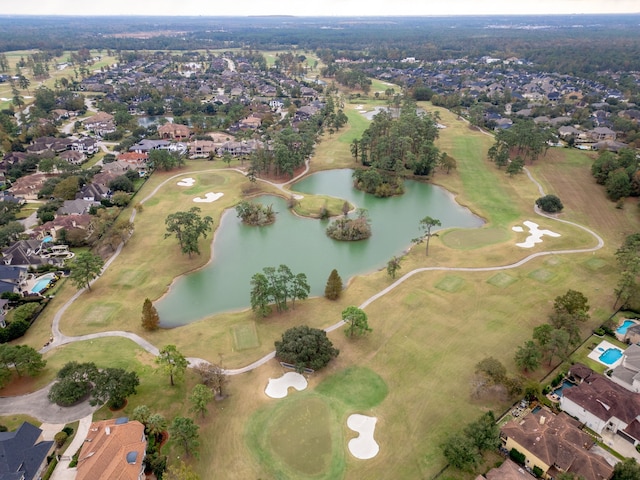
(627, 373)
(113, 449)
(23, 453)
(174, 131)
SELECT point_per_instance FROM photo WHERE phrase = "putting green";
(300, 436)
(470, 238)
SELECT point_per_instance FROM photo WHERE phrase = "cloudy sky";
(317, 7)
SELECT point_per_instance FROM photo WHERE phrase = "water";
(565, 384)
(240, 251)
(147, 121)
(611, 356)
(622, 329)
(42, 283)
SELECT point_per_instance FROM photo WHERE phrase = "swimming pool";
(42, 283)
(611, 356)
(565, 384)
(622, 329)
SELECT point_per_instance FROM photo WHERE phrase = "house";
(602, 404)
(23, 453)
(633, 334)
(73, 157)
(87, 145)
(12, 276)
(627, 373)
(28, 186)
(509, 470)
(252, 121)
(145, 146)
(78, 206)
(101, 123)
(201, 148)
(92, 192)
(113, 450)
(49, 144)
(135, 160)
(568, 131)
(602, 133)
(174, 131)
(554, 444)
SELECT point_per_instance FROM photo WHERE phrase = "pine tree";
(150, 317)
(334, 286)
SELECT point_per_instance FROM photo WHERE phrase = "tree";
(25, 360)
(180, 471)
(628, 469)
(141, 413)
(85, 268)
(200, 396)
(515, 166)
(112, 386)
(618, 184)
(307, 347)
(74, 382)
(492, 369)
(628, 257)
(333, 289)
(150, 317)
(185, 433)
(393, 266)
(260, 295)
(165, 160)
(484, 432)
(356, 321)
(426, 225)
(213, 376)
(67, 188)
(570, 310)
(299, 288)
(188, 227)
(460, 452)
(121, 184)
(528, 356)
(172, 363)
(549, 204)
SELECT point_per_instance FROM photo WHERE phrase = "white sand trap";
(517, 228)
(363, 446)
(279, 387)
(535, 234)
(357, 107)
(187, 182)
(208, 197)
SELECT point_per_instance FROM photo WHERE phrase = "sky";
(313, 7)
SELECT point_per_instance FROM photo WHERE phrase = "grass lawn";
(428, 333)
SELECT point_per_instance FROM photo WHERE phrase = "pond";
(241, 251)
(151, 120)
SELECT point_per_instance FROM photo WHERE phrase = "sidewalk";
(62, 470)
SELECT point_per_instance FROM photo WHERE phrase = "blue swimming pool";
(565, 384)
(611, 356)
(622, 329)
(42, 283)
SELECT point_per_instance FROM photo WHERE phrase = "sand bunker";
(535, 234)
(279, 387)
(187, 182)
(208, 197)
(363, 446)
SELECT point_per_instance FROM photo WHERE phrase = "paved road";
(36, 404)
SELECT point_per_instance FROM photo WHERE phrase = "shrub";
(307, 347)
(549, 204)
(537, 471)
(517, 457)
(68, 430)
(60, 438)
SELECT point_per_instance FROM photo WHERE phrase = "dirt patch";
(18, 386)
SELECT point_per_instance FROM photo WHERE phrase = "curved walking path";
(43, 409)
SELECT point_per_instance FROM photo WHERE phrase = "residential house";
(12, 276)
(568, 131)
(134, 160)
(49, 144)
(555, 444)
(237, 149)
(28, 186)
(92, 192)
(252, 121)
(23, 453)
(113, 449)
(79, 206)
(627, 373)
(87, 145)
(633, 334)
(201, 148)
(145, 146)
(602, 404)
(73, 157)
(62, 222)
(174, 131)
(602, 133)
(12, 158)
(101, 123)
(509, 470)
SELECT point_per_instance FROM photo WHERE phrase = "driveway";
(37, 405)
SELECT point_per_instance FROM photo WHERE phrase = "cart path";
(61, 339)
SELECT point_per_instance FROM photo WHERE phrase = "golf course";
(476, 294)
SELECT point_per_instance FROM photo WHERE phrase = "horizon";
(322, 8)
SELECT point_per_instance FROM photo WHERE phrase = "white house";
(627, 373)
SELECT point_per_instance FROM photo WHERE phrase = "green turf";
(131, 278)
(450, 283)
(100, 314)
(542, 275)
(300, 436)
(356, 387)
(245, 336)
(501, 280)
(595, 263)
(464, 239)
